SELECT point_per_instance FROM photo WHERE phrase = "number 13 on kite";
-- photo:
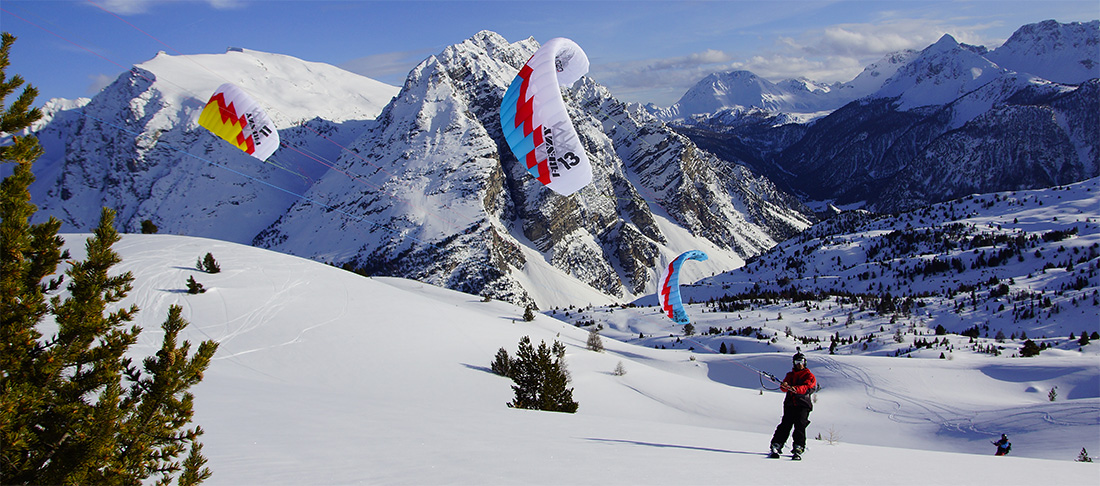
(536, 124)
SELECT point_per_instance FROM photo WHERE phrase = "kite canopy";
(536, 124)
(669, 289)
(238, 119)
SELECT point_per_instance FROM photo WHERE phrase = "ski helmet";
(799, 359)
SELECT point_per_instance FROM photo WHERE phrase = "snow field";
(326, 377)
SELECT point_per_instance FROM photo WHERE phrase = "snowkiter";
(798, 384)
(1003, 445)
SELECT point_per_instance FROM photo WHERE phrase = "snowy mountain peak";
(745, 91)
(290, 89)
(1064, 53)
(938, 75)
(947, 43)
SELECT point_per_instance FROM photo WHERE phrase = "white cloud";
(674, 70)
(97, 82)
(227, 4)
(388, 67)
(878, 39)
(133, 7)
(824, 69)
(834, 53)
(126, 7)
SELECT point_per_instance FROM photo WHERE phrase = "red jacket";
(800, 384)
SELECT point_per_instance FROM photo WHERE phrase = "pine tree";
(208, 264)
(529, 314)
(526, 375)
(147, 227)
(556, 396)
(620, 370)
(541, 378)
(66, 416)
(502, 363)
(1029, 349)
(194, 287)
(1084, 456)
(594, 341)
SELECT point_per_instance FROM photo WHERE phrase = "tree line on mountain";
(898, 254)
(882, 305)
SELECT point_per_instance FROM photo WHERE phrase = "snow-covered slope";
(968, 281)
(931, 125)
(290, 90)
(1020, 262)
(326, 377)
(876, 74)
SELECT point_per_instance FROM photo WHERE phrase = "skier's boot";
(796, 453)
(775, 450)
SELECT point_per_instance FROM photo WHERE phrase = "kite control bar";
(763, 374)
(769, 376)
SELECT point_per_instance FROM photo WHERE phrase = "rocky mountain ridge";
(424, 190)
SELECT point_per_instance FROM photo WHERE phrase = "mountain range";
(416, 181)
(1052, 51)
(938, 124)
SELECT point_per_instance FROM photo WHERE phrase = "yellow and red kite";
(236, 118)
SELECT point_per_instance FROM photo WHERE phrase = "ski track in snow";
(278, 303)
(908, 409)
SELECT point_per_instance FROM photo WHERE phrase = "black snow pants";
(794, 416)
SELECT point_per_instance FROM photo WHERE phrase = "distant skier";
(798, 384)
(1003, 445)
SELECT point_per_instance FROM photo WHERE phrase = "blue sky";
(645, 51)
